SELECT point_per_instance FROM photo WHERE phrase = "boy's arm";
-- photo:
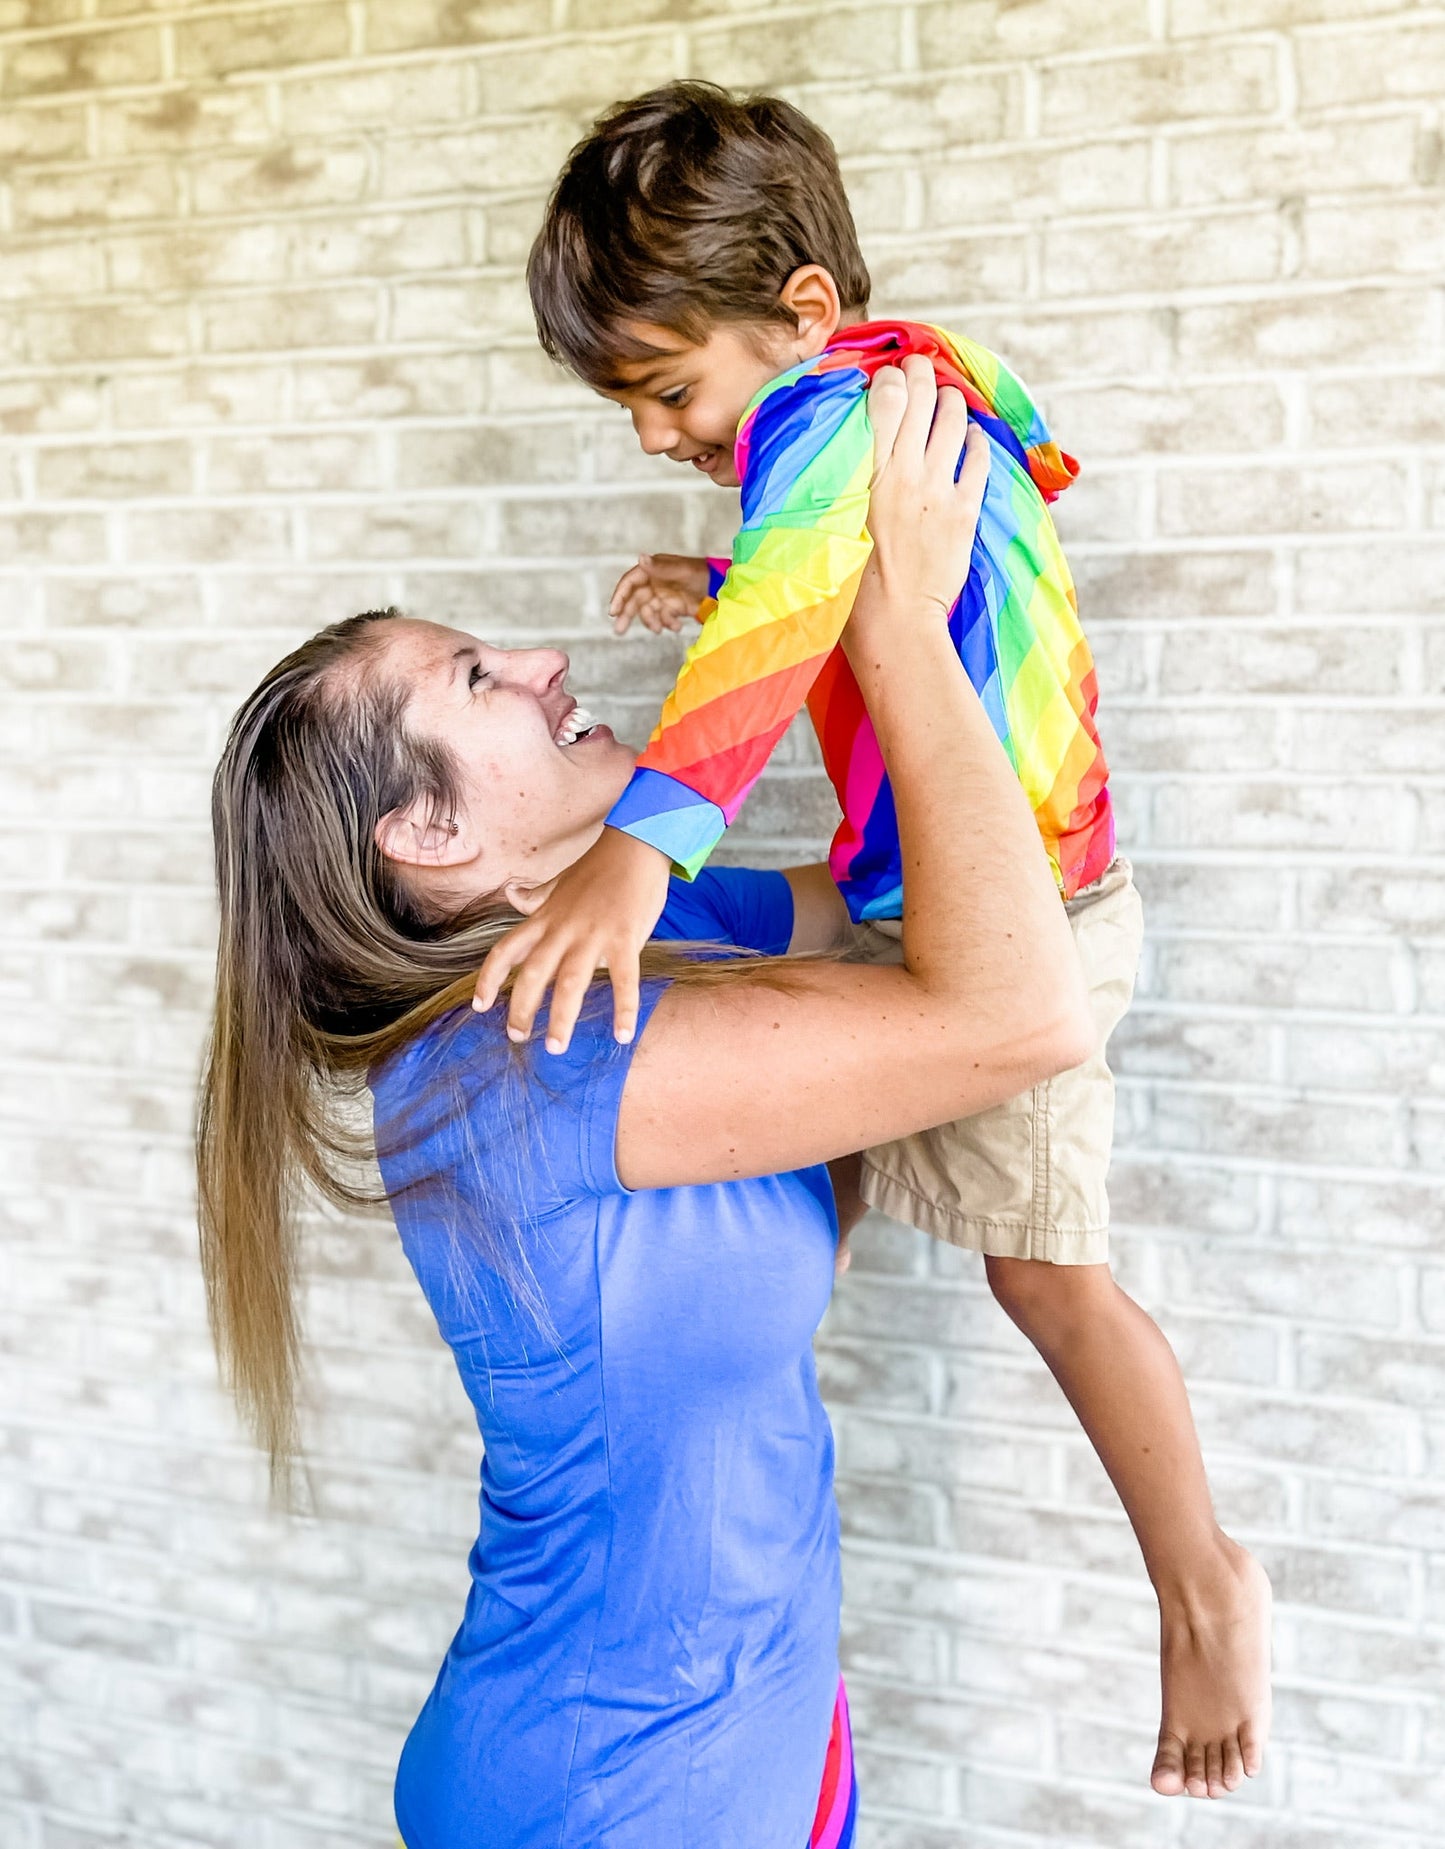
(807, 462)
(780, 610)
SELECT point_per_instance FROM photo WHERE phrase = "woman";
(627, 1248)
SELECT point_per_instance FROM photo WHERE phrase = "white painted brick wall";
(264, 359)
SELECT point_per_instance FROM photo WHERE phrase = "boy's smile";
(686, 401)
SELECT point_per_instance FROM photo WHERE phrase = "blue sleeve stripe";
(669, 816)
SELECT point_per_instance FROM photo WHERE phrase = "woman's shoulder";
(460, 1098)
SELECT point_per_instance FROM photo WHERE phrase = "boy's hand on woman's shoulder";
(598, 914)
(662, 591)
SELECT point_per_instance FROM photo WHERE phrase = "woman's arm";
(752, 1078)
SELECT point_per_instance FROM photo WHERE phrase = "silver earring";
(453, 826)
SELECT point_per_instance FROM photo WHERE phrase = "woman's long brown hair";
(325, 967)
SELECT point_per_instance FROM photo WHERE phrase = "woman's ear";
(523, 896)
(812, 296)
(417, 836)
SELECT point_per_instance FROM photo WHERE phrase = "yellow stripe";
(729, 666)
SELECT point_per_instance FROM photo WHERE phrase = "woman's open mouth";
(578, 724)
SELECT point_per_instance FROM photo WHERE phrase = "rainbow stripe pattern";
(837, 1813)
(804, 454)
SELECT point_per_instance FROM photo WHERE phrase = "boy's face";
(686, 403)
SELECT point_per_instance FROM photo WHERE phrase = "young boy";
(699, 265)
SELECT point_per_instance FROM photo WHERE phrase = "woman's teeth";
(576, 725)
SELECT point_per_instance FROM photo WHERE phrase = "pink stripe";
(832, 1832)
(863, 779)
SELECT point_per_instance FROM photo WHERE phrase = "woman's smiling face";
(534, 786)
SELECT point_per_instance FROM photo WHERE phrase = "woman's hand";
(922, 520)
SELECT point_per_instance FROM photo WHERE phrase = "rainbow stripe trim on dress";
(837, 1811)
(804, 453)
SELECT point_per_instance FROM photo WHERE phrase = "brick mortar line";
(165, 226)
(590, 423)
(1080, 1784)
(302, 1700)
(1062, 1425)
(358, 136)
(939, 1561)
(1153, 466)
(146, 1264)
(1183, 1312)
(904, 1685)
(1281, 776)
(551, 39)
(227, 361)
(1169, 129)
(658, 32)
(1181, 299)
(889, 1284)
(998, 1501)
(1204, 860)
(1252, 546)
(1161, 464)
(946, 1560)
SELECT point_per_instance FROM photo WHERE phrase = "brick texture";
(265, 359)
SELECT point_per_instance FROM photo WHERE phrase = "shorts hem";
(1054, 1245)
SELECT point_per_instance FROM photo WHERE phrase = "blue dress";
(648, 1657)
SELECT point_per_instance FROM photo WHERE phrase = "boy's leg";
(1026, 1183)
(1120, 1376)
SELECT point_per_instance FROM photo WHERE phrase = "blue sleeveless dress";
(648, 1656)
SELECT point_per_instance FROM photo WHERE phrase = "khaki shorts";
(1025, 1179)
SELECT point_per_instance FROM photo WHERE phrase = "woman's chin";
(603, 758)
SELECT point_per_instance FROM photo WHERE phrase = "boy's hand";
(662, 590)
(599, 914)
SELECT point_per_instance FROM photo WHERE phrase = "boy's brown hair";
(687, 208)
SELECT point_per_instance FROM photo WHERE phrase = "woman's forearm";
(982, 920)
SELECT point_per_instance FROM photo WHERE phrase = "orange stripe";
(734, 716)
(726, 777)
(748, 659)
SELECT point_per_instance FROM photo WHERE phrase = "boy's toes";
(1196, 1782)
(1251, 1752)
(1233, 1764)
(1214, 1769)
(1167, 1778)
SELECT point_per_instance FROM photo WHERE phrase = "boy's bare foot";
(1214, 1664)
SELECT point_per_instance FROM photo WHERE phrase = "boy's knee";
(1030, 1290)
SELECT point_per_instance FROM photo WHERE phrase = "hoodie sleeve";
(805, 454)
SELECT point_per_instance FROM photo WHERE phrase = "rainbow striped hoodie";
(769, 642)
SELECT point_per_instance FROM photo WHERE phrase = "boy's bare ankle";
(1212, 1575)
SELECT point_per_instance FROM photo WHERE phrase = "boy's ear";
(812, 296)
(416, 836)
